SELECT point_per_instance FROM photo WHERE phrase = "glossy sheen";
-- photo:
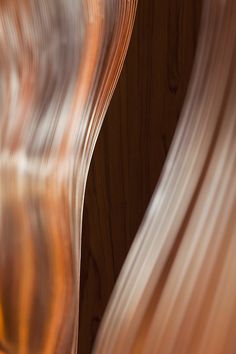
(59, 64)
(132, 147)
(177, 290)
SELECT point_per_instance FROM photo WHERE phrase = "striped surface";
(177, 290)
(59, 63)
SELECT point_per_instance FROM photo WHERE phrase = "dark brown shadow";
(132, 147)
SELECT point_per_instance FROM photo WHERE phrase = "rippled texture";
(59, 63)
(176, 293)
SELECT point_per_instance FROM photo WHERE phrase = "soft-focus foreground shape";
(59, 62)
(177, 291)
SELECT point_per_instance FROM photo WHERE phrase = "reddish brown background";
(132, 147)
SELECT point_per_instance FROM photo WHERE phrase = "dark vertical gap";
(132, 147)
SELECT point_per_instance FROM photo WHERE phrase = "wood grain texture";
(176, 292)
(132, 147)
